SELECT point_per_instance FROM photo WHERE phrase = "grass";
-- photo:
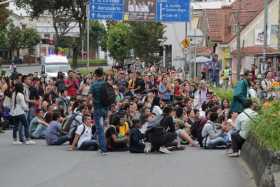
(267, 127)
(223, 93)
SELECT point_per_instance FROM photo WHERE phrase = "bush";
(223, 93)
(266, 129)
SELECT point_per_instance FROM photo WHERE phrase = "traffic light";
(186, 43)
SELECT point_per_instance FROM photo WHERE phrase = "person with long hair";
(18, 110)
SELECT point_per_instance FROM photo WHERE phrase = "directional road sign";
(106, 9)
(173, 10)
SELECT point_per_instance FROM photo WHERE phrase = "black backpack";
(66, 125)
(108, 95)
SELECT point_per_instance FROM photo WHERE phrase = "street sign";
(173, 10)
(186, 43)
(106, 9)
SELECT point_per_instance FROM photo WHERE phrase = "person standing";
(215, 70)
(240, 93)
(72, 84)
(100, 111)
(18, 110)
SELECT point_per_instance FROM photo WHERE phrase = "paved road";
(44, 166)
(26, 69)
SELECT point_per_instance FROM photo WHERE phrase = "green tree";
(30, 38)
(97, 36)
(146, 39)
(118, 42)
(21, 38)
(4, 13)
(15, 39)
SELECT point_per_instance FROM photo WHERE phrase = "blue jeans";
(99, 116)
(89, 145)
(219, 141)
(39, 133)
(61, 140)
(20, 122)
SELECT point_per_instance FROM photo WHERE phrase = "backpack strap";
(249, 117)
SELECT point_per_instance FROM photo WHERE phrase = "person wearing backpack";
(103, 97)
(75, 120)
(84, 136)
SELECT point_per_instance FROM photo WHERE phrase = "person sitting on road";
(136, 139)
(212, 137)
(84, 136)
(114, 141)
(54, 135)
(38, 126)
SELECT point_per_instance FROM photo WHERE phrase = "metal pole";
(238, 42)
(88, 14)
(278, 34)
(265, 29)
(195, 71)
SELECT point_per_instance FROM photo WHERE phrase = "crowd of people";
(126, 110)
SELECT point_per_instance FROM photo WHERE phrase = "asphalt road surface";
(26, 69)
(46, 166)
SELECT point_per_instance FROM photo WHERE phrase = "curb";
(264, 163)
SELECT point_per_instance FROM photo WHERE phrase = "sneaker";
(148, 148)
(102, 153)
(236, 154)
(30, 142)
(164, 150)
(17, 142)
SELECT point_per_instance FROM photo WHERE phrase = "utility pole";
(88, 17)
(238, 41)
(265, 29)
(278, 33)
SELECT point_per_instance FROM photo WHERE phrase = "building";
(222, 26)
(176, 33)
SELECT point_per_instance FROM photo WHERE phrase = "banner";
(141, 10)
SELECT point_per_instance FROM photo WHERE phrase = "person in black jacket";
(136, 139)
(164, 134)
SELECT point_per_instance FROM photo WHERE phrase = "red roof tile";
(220, 20)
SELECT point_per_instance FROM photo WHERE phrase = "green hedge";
(223, 93)
(267, 127)
(95, 62)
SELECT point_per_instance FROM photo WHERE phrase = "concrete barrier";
(264, 163)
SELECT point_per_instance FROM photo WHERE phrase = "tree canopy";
(118, 42)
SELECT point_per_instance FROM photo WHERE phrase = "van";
(51, 65)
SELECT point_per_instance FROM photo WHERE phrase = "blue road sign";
(173, 10)
(106, 9)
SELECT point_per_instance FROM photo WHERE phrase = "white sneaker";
(30, 142)
(148, 148)
(164, 150)
(17, 142)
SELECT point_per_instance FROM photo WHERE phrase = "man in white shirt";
(84, 136)
(243, 122)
